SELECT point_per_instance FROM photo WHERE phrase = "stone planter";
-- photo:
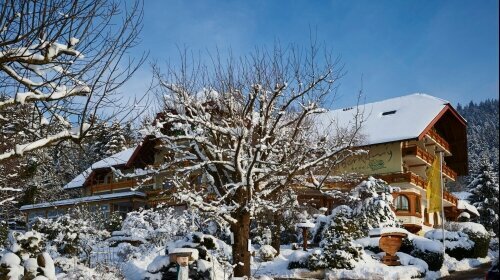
(390, 243)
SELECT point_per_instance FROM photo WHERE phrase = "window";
(417, 205)
(426, 216)
(389, 113)
(402, 203)
(52, 214)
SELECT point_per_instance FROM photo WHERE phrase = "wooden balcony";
(406, 177)
(415, 155)
(451, 198)
(449, 173)
(434, 136)
(414, 179)
(112, 186)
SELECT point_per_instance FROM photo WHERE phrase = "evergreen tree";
(482, 133)
(371, 203)
(339, 249)
(484, 189)
(116, 140)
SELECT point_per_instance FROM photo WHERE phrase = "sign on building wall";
(380, 159)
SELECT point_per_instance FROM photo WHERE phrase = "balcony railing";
(428, 158)
(112, 186)
(418, 152)
(450, 173)
(451, 198)
(406, 177)
(439, 140)
(412, 178)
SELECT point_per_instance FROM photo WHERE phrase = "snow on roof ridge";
(388, 120)
(113, 160)
(401, 97)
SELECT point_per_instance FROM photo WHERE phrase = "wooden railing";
(429, 158)
(113, 186)
(406, 177)
(410, 177)
(418, 152)
(438, 139)
(451, 198)
(450, 173)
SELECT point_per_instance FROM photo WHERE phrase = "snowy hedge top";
(466, 226)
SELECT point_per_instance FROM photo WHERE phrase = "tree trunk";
(276, 238)
(241, 254)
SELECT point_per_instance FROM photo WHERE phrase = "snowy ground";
(369, 268)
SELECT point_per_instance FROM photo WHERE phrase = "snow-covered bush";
(147, 230)
(267, 252)
(210, 257)
(458, 244)
(72, 271)
(370, 203)
(156, 225)
(476, 233)
(428, 250)
(71, 237)
(25, 258)
(10, 266)
(114, 222)
(26, 245)
(339, 249)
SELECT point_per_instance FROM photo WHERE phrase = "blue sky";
(446, 48)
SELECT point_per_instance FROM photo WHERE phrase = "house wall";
(380, 159)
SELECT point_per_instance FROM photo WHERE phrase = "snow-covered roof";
(462, 195)
(464, 205)
(85, 199)
(116, 159)
(390, 120)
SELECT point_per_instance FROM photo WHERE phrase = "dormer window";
(389, 113)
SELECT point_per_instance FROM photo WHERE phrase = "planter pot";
(390, 244)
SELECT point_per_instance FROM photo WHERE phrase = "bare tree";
(67, 58)
(239, 133)
(61, 64)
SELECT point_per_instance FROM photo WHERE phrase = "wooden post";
(304, 235)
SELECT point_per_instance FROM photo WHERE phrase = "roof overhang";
(81, 200)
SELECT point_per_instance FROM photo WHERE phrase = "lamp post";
(304, 226)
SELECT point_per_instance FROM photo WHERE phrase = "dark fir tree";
(484, 190)
(482, 133)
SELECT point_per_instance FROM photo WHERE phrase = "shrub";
(317, 261)
(458, 244)
(477, 234)
(297, 264)
(481, 244)
(433, 259)
(114, 223)
(339, 249)
(406, 246)
(267, 252)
